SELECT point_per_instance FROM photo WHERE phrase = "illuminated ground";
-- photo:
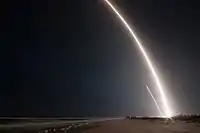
(116, 126)
(144, 126)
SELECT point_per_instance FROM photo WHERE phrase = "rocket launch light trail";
(160, 88)
(159, 110)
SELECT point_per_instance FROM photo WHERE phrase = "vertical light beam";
(159, 110)
(160, 88)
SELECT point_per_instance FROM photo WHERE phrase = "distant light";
(159, 110)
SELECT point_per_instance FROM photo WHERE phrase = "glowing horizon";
(168, 111)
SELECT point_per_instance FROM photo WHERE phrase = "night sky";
(75, 58)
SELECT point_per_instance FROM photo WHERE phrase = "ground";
(144, 126)
(116, 126)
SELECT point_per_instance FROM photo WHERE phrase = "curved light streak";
(160, 88)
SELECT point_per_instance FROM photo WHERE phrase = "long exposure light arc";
(156, 103)
(160, 88)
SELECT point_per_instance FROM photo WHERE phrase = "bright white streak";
(164, 100)
(159, 110)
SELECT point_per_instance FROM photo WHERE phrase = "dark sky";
(74, 57)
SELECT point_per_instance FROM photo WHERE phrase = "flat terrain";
(113, 126)
(144, 126)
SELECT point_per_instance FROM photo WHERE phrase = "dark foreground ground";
(141, 125)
